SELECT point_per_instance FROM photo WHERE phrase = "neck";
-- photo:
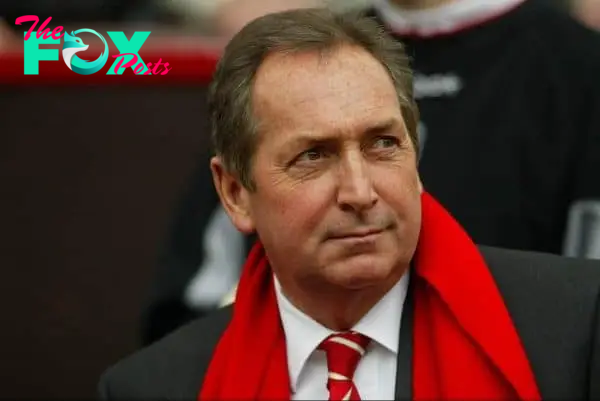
(419, 4)
(338, 309)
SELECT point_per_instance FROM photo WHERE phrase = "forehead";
(308, 92)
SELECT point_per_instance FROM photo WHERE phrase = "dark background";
(90, 177)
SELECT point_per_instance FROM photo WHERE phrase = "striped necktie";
(343, 351)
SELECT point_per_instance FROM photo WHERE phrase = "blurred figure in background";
(510, 107)
(66, 12)
(200, 262)
(7, 36)
(511, 87)
(83, 11)
(223, 18)
(587, 11)
(234, 14)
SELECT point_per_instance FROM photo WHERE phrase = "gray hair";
(233, 124)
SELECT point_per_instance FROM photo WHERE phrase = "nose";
(356, 191)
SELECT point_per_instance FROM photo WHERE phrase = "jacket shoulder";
(543, 271)
(171, 368)
(553, 303)
(557, 282)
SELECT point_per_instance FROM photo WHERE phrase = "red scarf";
(465, 345)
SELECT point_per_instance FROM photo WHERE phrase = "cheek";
(297, 211)
(399, 188)
(402, 174)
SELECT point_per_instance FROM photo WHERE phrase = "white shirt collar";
(304, 334)
(446, 19)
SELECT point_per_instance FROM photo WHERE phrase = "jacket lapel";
(405, 349)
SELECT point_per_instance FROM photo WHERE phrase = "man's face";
(337, 199)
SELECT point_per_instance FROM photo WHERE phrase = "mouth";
(362, 234)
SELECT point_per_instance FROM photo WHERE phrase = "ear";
(235, 198)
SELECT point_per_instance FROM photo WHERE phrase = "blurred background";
(112, 234)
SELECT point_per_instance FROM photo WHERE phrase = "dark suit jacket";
(553, 302)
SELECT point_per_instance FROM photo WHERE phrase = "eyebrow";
(385, 126)
(373, 130)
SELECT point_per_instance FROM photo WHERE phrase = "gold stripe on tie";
(337, 376)
(348, 343)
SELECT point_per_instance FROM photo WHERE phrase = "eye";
(385, 142)
(311, 154)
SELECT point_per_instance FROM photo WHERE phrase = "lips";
(361, 233)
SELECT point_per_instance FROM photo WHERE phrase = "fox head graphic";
(73, 44)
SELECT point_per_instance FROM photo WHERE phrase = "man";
(362, 286)
(510, 124)
(531, 168)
